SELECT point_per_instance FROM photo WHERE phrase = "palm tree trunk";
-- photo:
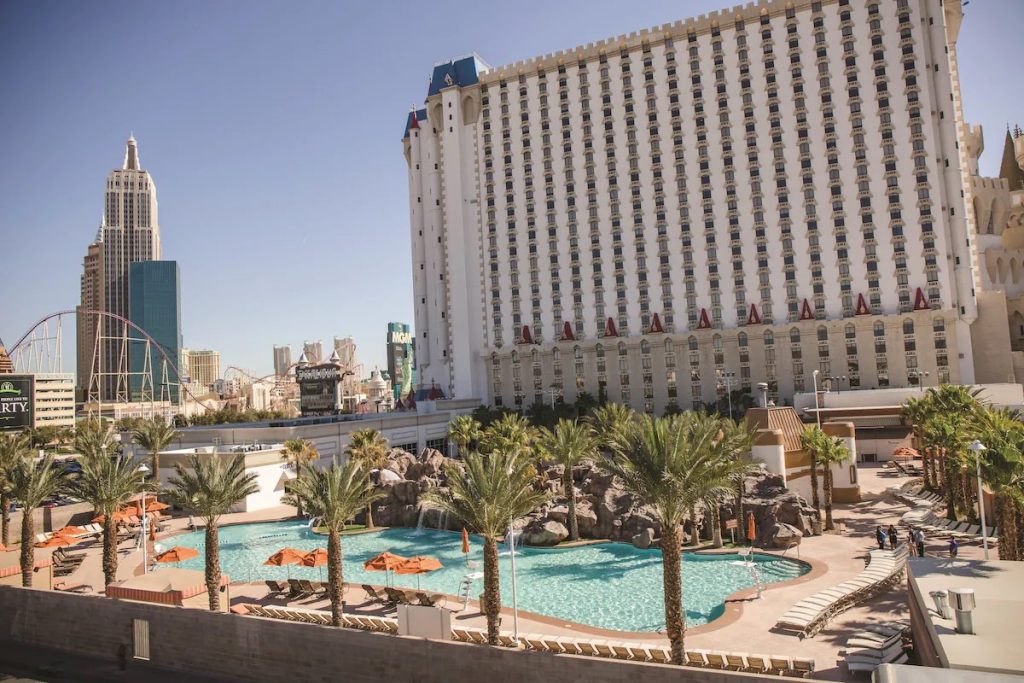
(1007, 523)
(213, 565)
(369, 516)
(570, 496)
(5, 517)
(1018, 524)
(739, 502)
(334, 578)
(672, 583)
(716, 526)
(155, 459)
(28, 558)
(492, 589)
(694, 528)
(829, 525)
(109, 550)
(949, 484)
(967, 496)
(815, 501)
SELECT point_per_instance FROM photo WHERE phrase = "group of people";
(915, 541)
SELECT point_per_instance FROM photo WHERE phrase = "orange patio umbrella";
(751, 528)
(69, 531)
(178, 553)
(119, 516)
(905, 453)
(419, 565)
(56, 542)
(385, 562)
(315, 558)
(283, 557)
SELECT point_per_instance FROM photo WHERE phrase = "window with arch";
(577, 354)
(599, 352)
(719, 349)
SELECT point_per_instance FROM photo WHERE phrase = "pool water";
(607, 585)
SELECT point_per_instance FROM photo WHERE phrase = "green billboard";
(16, 403)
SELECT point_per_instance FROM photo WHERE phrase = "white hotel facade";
(742, 197)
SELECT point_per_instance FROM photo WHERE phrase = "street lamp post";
(978, 449)
(145, 563)
(817, 409)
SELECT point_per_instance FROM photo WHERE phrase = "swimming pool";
(607, 585)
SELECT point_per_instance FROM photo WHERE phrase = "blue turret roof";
(457, 72)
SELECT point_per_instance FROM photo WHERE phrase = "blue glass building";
(155, 306)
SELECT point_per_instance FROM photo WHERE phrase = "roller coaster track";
(113, 316)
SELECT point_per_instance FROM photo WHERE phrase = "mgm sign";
(16, 403)
(319, 389)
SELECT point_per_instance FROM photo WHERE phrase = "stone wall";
(251, 649)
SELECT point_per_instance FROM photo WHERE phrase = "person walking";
(954, 548)
(880, 537)
(911, 546)
(893, 538)
(919, 541)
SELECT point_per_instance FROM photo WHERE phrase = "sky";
(273, 133)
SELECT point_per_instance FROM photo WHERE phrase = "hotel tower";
(747, 196)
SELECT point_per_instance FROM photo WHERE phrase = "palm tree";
(916, 412)
(13, 448)
(670, 463)
(486, 493)
(209, 487)
(739, 441)
(31, 485)
(298, 453)
(570, 443)
(369, 448)
(812, 441)
(610, 420)
(465, 432)
(107, 483)
(1002, 468)
(830, 451)
(951, 423)
(154, 435)
(510, 432)
(334, 495)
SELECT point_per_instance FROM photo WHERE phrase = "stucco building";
(757, 193)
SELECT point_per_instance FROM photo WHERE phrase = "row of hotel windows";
(723, 376)
(838, 217)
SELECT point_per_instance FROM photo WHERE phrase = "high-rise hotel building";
(749, 196)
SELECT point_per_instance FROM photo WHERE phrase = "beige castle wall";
(990, 337)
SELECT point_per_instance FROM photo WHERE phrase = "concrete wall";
(51, 519)
(251, 649)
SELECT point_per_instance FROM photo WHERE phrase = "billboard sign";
(318, 389)
(16, 404)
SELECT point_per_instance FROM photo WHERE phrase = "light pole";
(920, 377)
(553, 390)
(817, 409)
(145, 564)
(978, 449)
(726, 379)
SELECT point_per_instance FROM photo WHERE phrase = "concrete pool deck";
(746, 626)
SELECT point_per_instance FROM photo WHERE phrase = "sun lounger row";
(944, 528)
(874, 646)
(733, 661)
(323, 618)
(87, 531)
(389, 597)
(810, 615)
(916, 496)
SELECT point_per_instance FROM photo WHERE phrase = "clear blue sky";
(273, 133)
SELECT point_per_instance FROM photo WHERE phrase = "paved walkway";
(843, 554)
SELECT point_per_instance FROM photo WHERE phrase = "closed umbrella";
(285, 557)
(751, 528)
(418, 565)
(465, 544)
(316, 558)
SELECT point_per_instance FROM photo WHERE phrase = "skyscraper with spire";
(129, 233)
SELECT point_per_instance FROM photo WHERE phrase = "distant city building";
(767, 194)
(401, 350)
(378, 393)
(203, 366)
(129, 233)
(345, 356)
(314, 352)
(282, 360)
(6, 365)
(156, 308)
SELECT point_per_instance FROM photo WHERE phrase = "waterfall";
(442, 522)
(312, 523)
(419, 520)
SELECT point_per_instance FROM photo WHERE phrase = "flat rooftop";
(998, 644)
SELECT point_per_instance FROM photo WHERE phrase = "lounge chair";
(297, 591)
(479, 637)
(660, 655)
(588, 648)
(373, 595)
(275, 587)
(695, 657)
(717, 660)
(736, 661)
(505, 640)
(758, 663)
(620, 651)
(803, 666)
(397, 597)
(535, 643)
(639, 652)
(429, 600)
(461, 635)
(309, 588)
(73, 587)
(603, 649)
(780, 665)
(568, 645)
